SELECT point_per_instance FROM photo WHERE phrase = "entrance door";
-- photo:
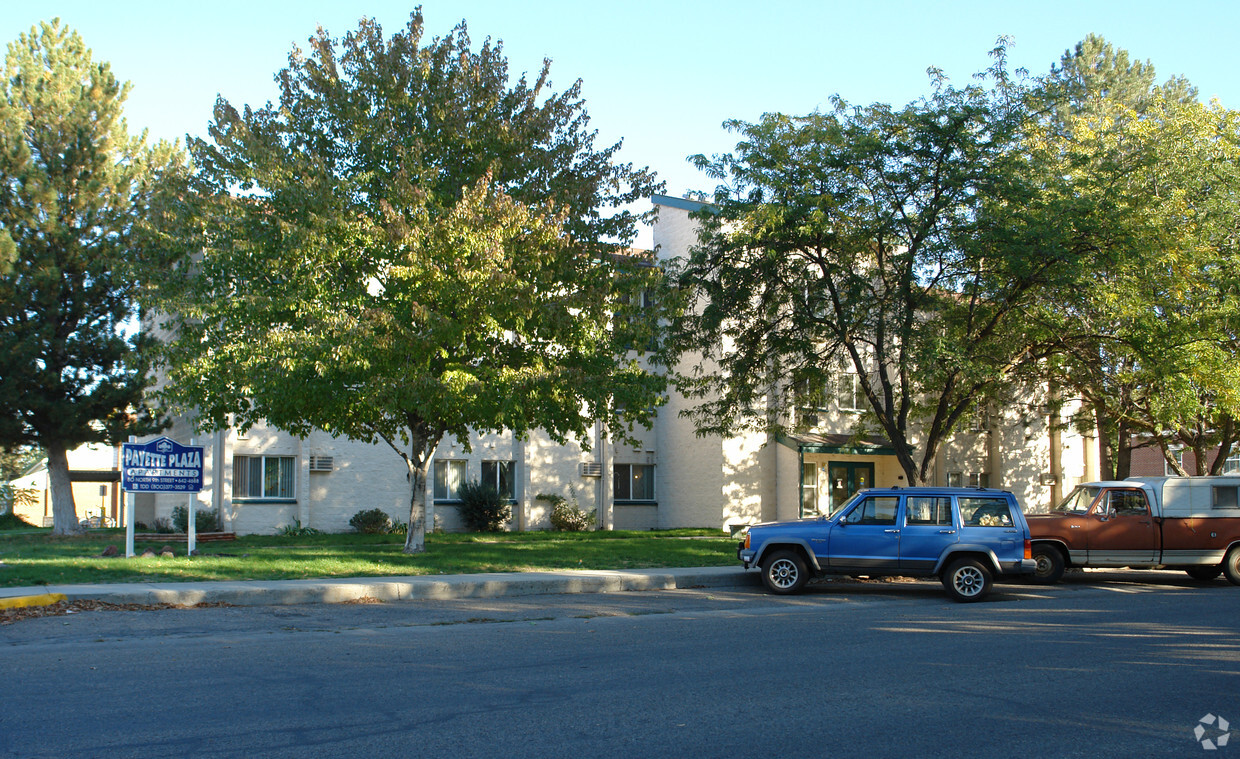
(848, 477)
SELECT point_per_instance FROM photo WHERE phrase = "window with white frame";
(1232, 464)
(264, 477)
(1178, 455)
(499, 475)
(633, 482)
(848, 393)
(979, 479)
(449, 477)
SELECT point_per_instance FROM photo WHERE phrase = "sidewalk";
(437, 587)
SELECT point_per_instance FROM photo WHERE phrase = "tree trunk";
(1123, 455)
(1226, 442)
(64, 511)
(1106, 462)
(418, 461)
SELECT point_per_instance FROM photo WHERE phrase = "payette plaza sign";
(161, 466)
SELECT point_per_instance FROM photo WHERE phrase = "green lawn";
(35, 557)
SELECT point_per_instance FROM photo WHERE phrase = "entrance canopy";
(806, 442)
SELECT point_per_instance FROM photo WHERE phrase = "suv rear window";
(928, 510)
(985, 512)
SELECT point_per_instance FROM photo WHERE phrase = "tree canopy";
(406, 246)
(1077, 229)
(75, 189)
(1145, 337)
(896, 245)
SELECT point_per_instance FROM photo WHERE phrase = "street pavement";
(344, 590)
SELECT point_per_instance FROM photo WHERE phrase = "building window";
(979, 479)
(264, 477)
(633, 482)
(809, 488)
(1232, 464)
(848, 392)
(955, 479)
(499, 475)
(449, 476)
(1178, 455)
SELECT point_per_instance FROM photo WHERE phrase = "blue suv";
(963, 536)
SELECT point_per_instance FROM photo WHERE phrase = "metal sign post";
(160, 466)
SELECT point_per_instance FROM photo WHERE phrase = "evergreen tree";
(73, 192)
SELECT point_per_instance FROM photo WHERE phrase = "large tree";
(899, 245)
(1146, 337)
(408, 246)
(74, 189)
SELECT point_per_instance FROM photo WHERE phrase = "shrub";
(162, 525)
(295, 530)
(204, 520)
(566, 516)
(13, 522)
(371, 522)
(482, 508)
(398, 528)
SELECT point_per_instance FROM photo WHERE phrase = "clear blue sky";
(662, 76)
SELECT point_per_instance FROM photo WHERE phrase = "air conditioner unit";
(591, 469)
(321, 463)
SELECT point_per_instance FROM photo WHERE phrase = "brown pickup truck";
(1189, 523)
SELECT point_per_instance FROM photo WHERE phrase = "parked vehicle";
(1189, 523)
(963, 536)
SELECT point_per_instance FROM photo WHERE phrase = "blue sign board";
(161, 466)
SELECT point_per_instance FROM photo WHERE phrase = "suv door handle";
(897, 532)
(947, 532)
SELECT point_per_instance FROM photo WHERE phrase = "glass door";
(847, 478)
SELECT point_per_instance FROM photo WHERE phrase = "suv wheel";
(1049, 564)
(784, 572)
(967, 580)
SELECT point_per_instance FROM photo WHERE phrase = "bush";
(371, 522)
(398, 528)
(483, 509)
(295, 530)
(162, 525)
(13, 522)
(204, 521)
(566, 516)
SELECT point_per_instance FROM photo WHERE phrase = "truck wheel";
(967, 580)
(1231, 565)
(1204, 573)
(1050, 564)
(784, 572)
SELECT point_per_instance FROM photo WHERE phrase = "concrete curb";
(18, 602)
(441, 587)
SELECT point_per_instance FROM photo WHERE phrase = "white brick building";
(672, 478)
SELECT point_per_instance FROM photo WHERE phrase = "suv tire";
(967, 580)
(784, 572)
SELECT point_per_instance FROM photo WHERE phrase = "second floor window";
(848, 392)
